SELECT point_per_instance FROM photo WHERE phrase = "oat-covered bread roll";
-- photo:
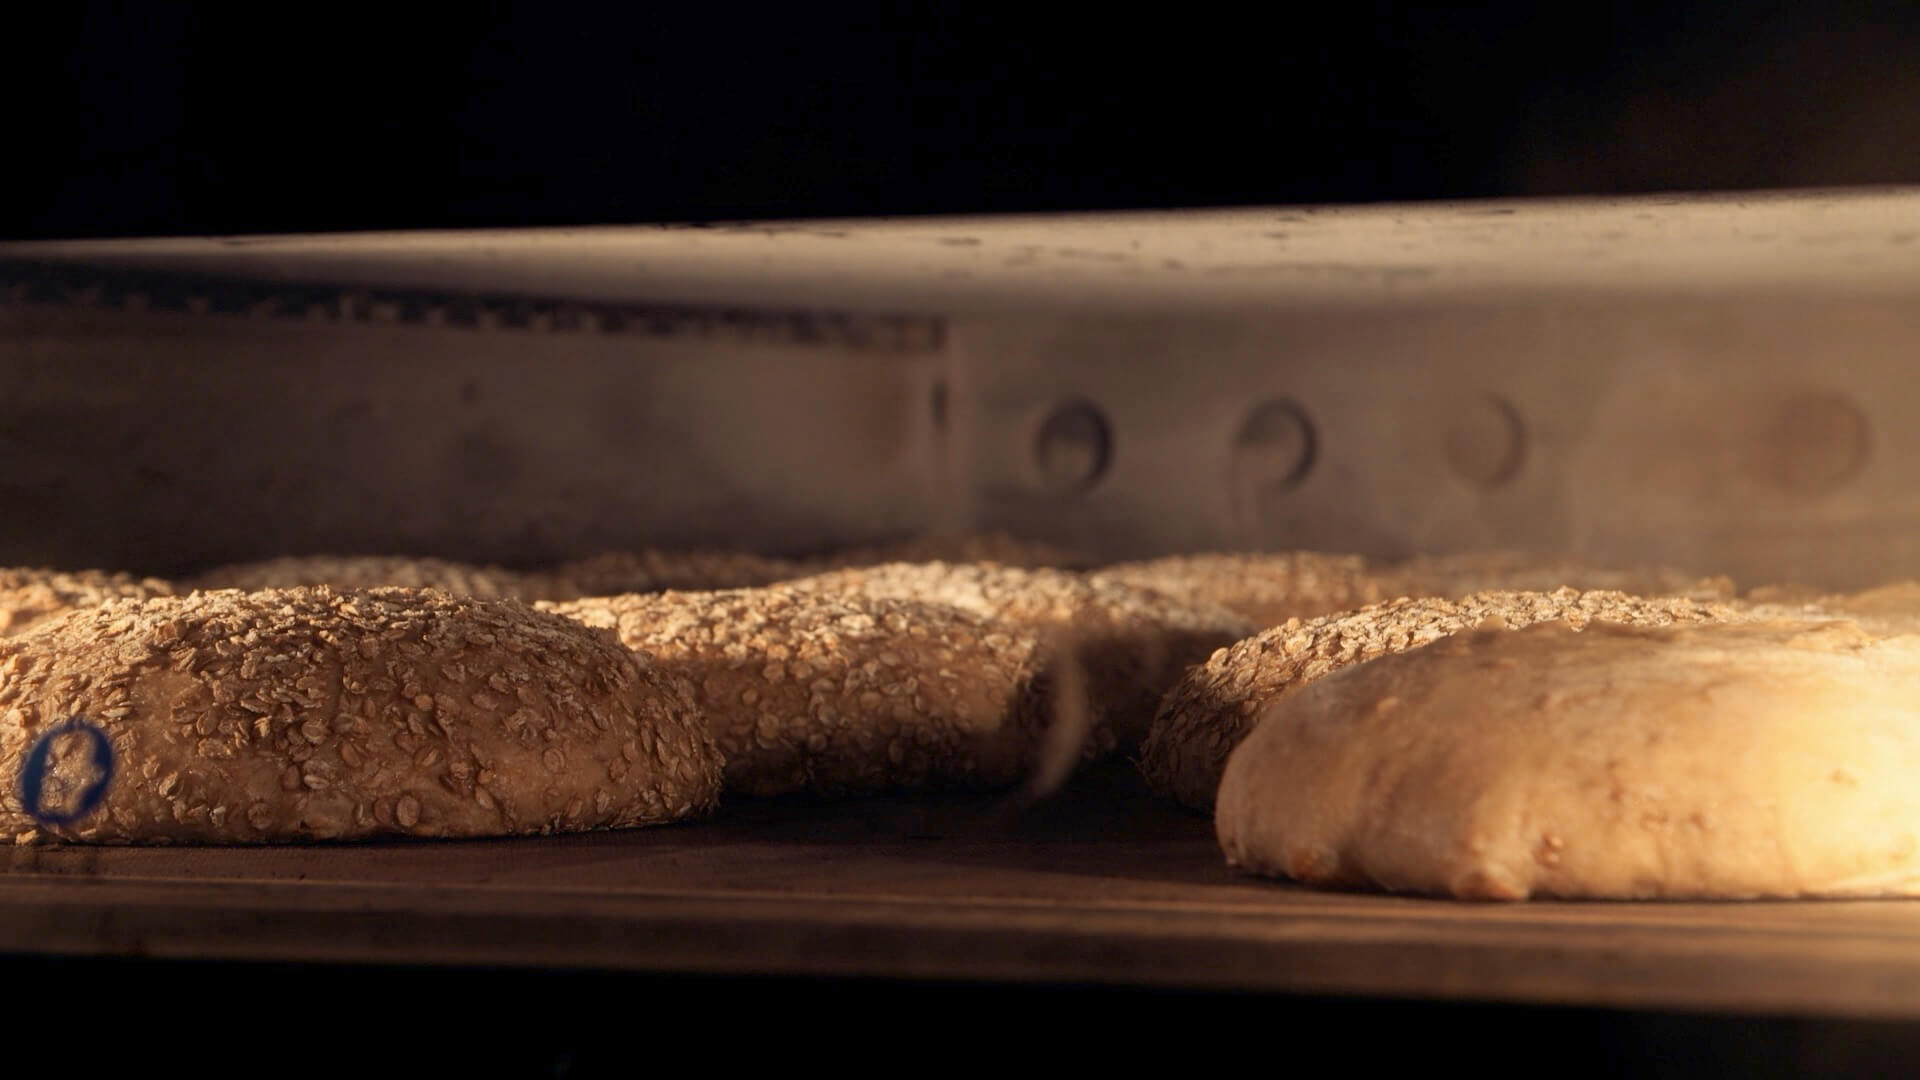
(1705, 761)
(1271, 588)
(1134, 643)
(1207, 714)
(835, 693)
(972, 548)
(606, 574)
(367, 572)
(1267, 588)
(30, 596)
(616, 573)
(1508, 571)
(306, 714)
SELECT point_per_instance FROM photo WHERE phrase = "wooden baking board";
(1102, 885)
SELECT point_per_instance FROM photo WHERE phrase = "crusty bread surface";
(835, 693)
(1208, 712)
(310, 714)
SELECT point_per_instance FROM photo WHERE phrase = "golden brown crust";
(307, 714)
(366, 572)
(31, 596)
(1267, 588)
(1204, 717)
(1705, 761)
(833, 693)
(1133, 642)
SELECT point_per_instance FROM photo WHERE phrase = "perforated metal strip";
(80, 285)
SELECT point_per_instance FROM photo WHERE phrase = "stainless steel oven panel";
(1720, 384)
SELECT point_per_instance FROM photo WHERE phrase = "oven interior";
(1716, 384)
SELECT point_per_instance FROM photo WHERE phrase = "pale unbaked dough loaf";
(1206, 715)
(1133, 642)
(31, 596)
(1711, 761)
(306, 714)
(836, 693)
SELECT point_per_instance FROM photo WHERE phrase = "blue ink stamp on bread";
(40, 762)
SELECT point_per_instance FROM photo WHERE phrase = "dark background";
(144, 119)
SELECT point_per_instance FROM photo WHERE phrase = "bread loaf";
(1207, 714)
(1708, 761)
(310, 714)
(835, 693)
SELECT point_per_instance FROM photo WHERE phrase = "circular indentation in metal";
(1811, 443)
(1073, 448)
(1274, 449)
(1486, 442)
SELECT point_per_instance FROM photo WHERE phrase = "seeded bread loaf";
(31, 596)
(835, 693)
(1271, 588)
(367, 572)
(1204, 717)
(1268, 588)
(1454, 576)
(309, 714)
(998, 548)
(619, 572)
(1134, 643)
